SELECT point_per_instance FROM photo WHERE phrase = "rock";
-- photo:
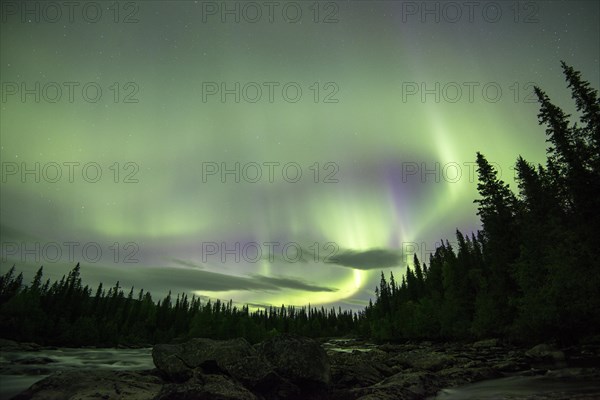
(374, 397)
(459, 376)
(589, 374)
(413, 385)
(209, 387)
(484, 344)
(358, 369)
(84, 385)
(235, 358)
(419, 383)
(424, 360)
(34, 361)
(391, 348)
(301, 360)
(510, 366)
(356, 376)
(11, 345)
(8, 345)
(432, 362)
(25, 370)
(545, 352)
(167, 358)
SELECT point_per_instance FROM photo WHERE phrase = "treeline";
(533, 272)
(67, 313)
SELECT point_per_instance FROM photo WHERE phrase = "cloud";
(198, 280)
(292, 283)
(255, 282)
(186, 263)
(191, 277)
(365, 260)
(259, 305)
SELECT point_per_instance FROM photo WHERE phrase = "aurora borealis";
(379, 106)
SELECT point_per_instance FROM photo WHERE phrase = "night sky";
(350, 127)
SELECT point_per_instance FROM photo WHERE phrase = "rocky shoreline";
(293, 367)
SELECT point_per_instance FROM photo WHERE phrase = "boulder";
(401, 386)
(355, 374)
(358, 369)
(235, 358)
(167, 359)
(545, 352)
(424, 360)
(95, 384)
(301, 360)
(209, 387)
(510, 366)
(455, 376)
(11, 345)
(485, 344)
(418, 383)
(380, 396)
(34, 361)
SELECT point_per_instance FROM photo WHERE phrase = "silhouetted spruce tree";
(494, 310)
(434, 284)
(559, 264)
(420, 280)
(9, 284)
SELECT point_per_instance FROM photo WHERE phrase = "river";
(19, 370)
(525, 388)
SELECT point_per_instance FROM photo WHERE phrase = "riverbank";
(290, 367)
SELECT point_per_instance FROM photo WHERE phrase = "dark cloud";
(370, 259)
(190, 277)
(195, 279)
(258, 305)
(267, 282)
(292, 283)
(186, 263)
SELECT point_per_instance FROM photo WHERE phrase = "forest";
(530, 274)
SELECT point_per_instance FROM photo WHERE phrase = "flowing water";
(346, 346)
(525, 387)
(19, 370)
